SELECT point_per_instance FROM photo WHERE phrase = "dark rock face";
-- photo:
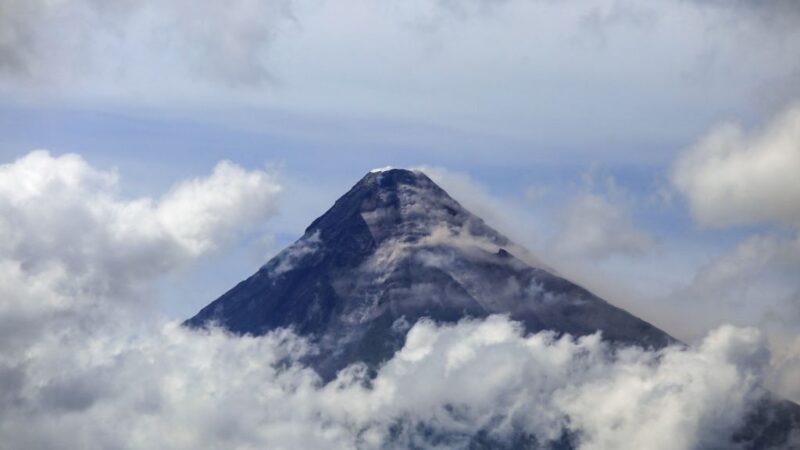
(397, 248)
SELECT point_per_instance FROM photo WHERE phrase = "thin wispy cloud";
(64, 42)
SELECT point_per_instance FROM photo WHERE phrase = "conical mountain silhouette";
(397, 248)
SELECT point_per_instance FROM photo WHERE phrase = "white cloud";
(201, 212)
(174, 388)
(734, 177)
(486, 376)
(71, 248)
(62, 218)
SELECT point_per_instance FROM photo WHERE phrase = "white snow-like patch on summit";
(381, 169)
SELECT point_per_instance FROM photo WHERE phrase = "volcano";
(396, 248)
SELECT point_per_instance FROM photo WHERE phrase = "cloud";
(469, 193)
(735, 177)
(72, 248)
(786, 370)
(507, 218)
(187, 58)
(738, 177)
(45, 41)
(204, 211)
(173, 388)
(753, 283)
(543, 386)
(590, 226)
(62, 218)
(786, 11)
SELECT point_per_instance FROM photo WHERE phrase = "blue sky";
(558, 119)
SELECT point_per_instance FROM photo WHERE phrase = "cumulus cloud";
(734, 177)
(54, 41)
(204, 211)
(62, 218)
(174, 388)
(72, 248)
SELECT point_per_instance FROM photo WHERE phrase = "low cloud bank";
(173, 388)
(78, 370)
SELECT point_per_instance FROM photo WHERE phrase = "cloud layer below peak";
(173, 388)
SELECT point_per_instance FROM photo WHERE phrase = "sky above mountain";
(646, 149)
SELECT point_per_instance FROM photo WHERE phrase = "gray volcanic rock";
(397, 248)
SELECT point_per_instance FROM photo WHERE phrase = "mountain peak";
(388, 177)
(391, 179)
(398, 204)
(397, 248)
